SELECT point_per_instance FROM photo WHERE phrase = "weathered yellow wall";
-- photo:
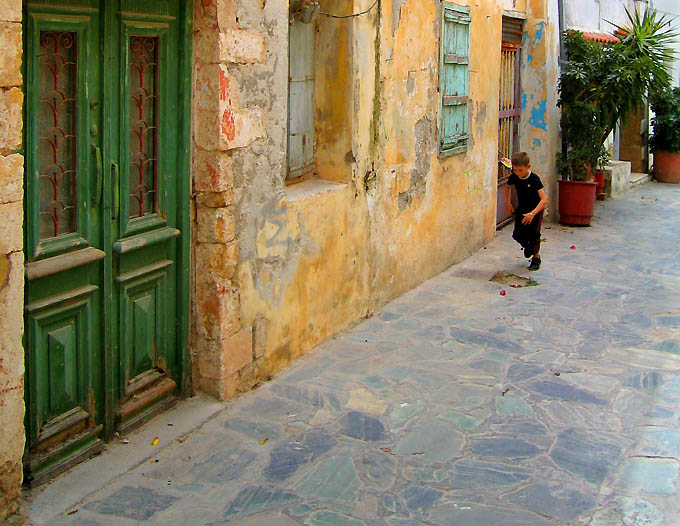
(539, 125)
(333, 121)
(318, 256)
(321, 236)
(514, 5)
(303, 269)
(315, 257)
(432, 212)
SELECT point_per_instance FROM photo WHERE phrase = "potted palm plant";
(601, 85)
(665, 141)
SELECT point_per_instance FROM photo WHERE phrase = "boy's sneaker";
(535, 263)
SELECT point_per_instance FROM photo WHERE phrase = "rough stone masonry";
(11, 257)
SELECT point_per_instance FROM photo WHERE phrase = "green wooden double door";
(106, 173)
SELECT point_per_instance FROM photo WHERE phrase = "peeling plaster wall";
(334, 124)
(303, 248)
(431, 212)
(239, 148)
(387, 212)
(519, 6)
(540, 119)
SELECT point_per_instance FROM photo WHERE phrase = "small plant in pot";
(583, 151)
(602, 161)
(665, 141)
(601, 85)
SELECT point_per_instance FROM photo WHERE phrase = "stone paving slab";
(455, 405)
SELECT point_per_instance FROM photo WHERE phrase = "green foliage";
(666, 121)
(601, 85)
(581, 132)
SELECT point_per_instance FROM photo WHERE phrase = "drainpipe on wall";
(562, 24)
(563, 50)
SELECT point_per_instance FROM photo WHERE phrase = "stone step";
(617, 178)
(636, 179)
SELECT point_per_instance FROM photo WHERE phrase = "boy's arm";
(528, 218)
(508, 203)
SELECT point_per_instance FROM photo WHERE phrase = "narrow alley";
(556, 403)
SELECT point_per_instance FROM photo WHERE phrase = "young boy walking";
(531, 203)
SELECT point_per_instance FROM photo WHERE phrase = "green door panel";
(144, 330)
(59, 327)
(63, 235)
(145, 344)
(61, 79)
(63, 365)
(105, 156)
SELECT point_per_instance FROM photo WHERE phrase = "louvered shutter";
(455, 79)
(513, 29)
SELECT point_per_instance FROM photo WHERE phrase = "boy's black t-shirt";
(527, 191)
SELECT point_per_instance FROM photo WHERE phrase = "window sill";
(452, 151)
(312, 187)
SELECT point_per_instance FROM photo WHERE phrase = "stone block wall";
(222, 350)
(617, 178)
(11, 258)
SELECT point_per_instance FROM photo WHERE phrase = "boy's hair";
(520, 159)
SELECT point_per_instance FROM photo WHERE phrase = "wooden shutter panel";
(455, 79)
(513, 29)
(301, 99)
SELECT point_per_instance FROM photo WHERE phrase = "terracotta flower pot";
(667, 166)
(576, 202)
(599, 180)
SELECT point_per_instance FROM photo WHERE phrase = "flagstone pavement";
(456, 405)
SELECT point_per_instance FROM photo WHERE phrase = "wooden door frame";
(515, 113)
(184, 194)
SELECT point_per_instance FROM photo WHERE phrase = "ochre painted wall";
(539, 123)
(333, 121)
(317, 256)
(431, 212)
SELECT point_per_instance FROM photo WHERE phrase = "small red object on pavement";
(573, 247)
(502, 293)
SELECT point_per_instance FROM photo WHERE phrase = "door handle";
(99, 182)
(116, 189)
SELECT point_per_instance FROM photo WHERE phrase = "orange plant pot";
(599, 180)
(576, 202)
(667, 166)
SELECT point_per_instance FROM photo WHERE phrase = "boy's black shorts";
(529, 236)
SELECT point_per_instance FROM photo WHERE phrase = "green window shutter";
(455, 79)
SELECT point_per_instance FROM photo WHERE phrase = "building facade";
(229, 183)
(671, 9)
